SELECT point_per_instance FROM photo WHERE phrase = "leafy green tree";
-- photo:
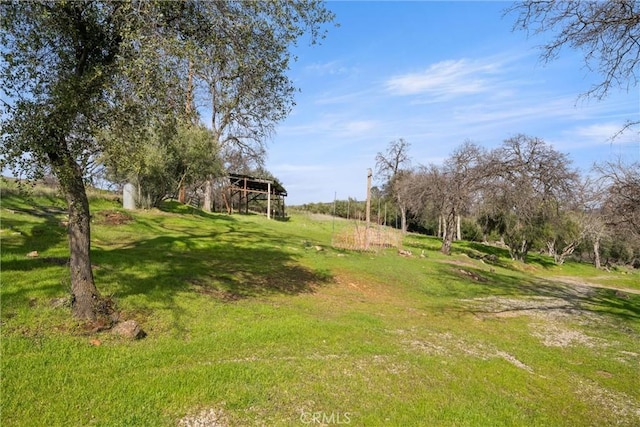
(240, 71)
(163, 161)
(58, 61)
(564, 233)
(72, 69)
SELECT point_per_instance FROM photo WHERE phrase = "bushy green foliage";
(471, 230)
(162, 161)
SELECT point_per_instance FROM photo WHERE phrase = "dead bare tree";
(622, 195)
(607, 31)
(447, 190)
(463, 173)
(529, 180)
(389, 166)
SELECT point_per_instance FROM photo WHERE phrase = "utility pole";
(369, 175)
(368, 209)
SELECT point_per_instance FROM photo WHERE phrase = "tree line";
(524, 194)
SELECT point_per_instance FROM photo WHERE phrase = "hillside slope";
(258, 322)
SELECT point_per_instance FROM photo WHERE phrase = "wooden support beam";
(269, 200)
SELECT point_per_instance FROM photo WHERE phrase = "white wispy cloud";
(608, 132)
(447, 79)
(329, 68)
(348, 97)
(605, 134)
(339, 128)
(357, 127)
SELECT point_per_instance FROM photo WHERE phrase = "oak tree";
(528, 179)
(71, 70)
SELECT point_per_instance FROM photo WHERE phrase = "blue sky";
(435, 74)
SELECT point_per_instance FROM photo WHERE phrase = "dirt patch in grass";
(555, 335)
(449, 345)
(511, 307)
(112, 217)
(372, 291)
(205, 418)
(553, 317)
(577, 282)
(625, 408)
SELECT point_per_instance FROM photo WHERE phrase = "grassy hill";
(258, 322)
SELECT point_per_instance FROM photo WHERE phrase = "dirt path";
(577, 281)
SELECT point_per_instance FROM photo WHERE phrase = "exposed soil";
(577, 281)
(449, 345)
(205, 418)
(111, 217)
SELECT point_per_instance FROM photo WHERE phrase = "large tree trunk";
(449, 232)
(520, 251)
(551, 248)
(83, 288)
(182, 194)
(596, 253)
(403, 218)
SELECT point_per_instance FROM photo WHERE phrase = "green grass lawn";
(258, 322)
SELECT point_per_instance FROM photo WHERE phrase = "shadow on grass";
(175, 207)
(496, 255)
(160, 272)
(485, 249)
(38, 237)
(468, 283)
(240, 270)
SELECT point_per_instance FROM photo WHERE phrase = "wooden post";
(368, 209)
(268, 200)
(246, 197)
